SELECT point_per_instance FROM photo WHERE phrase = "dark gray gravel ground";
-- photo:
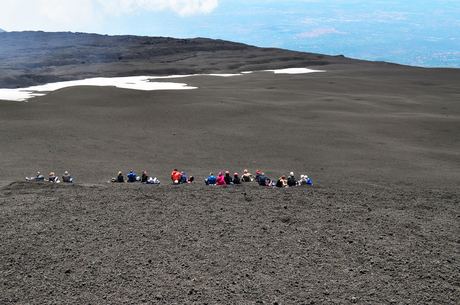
(197, 244)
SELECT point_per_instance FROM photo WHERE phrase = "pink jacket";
(220, 179)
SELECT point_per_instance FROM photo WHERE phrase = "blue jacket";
(211, 180)
(131, 177)
(184, 178)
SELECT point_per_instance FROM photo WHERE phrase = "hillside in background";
(32, 58)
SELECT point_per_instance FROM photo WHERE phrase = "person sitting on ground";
(120, 177)
(211, 179)
(184, 177)
(263, 180)
(176, 176)
(53, 178)
(66, 177)
(247, 177)
(291, 180)
(220, 179)
(227, 178)
(145, 177)
(131, 176)
(258, 173)
(282, 182)
(38, 177)
(304, 180)
(236, 179)
(190, 179)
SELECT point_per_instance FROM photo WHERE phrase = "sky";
(419, 33)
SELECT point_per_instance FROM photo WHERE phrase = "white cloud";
(182, 7)
(65, 12)
(84, 15)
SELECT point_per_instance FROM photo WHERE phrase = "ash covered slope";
(32, 58)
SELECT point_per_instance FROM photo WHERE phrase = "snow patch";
(131, 82)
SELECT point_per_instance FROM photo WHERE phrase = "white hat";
(291, 173)
(302, 177)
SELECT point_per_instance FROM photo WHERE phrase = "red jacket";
(175, 175)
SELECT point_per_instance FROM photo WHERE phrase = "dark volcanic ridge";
(33, 58)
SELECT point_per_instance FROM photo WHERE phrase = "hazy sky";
(424, 32)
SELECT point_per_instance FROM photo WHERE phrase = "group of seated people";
(260, 178)
(180, 177)
(291, 181)
(53, 178)
(222, 179)
(132, 177)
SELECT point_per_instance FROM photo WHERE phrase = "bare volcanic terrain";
(192, 244)
(31, 58)
(381, 143)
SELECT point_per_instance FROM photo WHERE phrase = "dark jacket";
(228, 179)
(263, 180)
(291, 181)
(236, 179)
(120, 178)
(66, 177)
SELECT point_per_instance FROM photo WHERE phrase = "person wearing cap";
(291, 180)
(38, 177)
(220, 179)
(227, 178)
(211, 179)
(247, 177)
(304, 180)
(262, 179)
(183, 178)
(236, 179)
(120, 177)
(258, 173)
(66, 177)
(176, 176)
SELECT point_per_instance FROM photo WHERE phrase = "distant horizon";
(374, 60)
(421, 33)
